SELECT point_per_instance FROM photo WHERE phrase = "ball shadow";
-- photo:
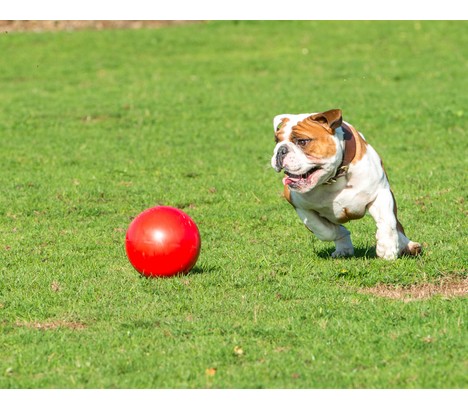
(201, 270)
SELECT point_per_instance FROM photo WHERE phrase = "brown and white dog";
(333, 175)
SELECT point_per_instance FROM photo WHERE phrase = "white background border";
(234, 10)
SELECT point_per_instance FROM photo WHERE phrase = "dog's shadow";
(359, 252)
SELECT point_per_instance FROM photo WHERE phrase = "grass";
(97, 126)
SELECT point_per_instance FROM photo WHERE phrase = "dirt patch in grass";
(52, 325)
(448, 287)
(71, 25)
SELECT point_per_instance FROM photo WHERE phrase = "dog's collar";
(349, 153)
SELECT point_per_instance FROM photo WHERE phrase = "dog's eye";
(302, 142)
(279, 126)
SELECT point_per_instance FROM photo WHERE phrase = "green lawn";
(97, 126)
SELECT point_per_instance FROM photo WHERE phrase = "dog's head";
(308, 148)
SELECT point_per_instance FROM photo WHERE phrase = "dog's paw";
(412, 249)
(343, 252)
(344, 246)
(388, 253)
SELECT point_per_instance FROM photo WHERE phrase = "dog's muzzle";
(280, 154)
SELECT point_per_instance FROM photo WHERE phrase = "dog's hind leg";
(328, 231)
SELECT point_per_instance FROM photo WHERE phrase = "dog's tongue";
(287, 180)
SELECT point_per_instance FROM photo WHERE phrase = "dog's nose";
(280, 154)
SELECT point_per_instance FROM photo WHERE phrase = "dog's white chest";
(338, 203)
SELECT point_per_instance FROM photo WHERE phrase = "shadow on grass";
(197, 270)
(359, 252)
(203, 269)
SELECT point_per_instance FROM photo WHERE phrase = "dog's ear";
(330, 119)
(279, 121)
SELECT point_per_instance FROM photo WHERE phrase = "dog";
(332, 176)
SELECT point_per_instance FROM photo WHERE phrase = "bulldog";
(333, 175)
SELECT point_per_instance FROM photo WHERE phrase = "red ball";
(163, 241)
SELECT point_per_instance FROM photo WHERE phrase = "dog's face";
(307, 148)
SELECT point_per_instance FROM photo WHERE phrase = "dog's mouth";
(309, 179)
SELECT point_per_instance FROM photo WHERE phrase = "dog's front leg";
(328, 231)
